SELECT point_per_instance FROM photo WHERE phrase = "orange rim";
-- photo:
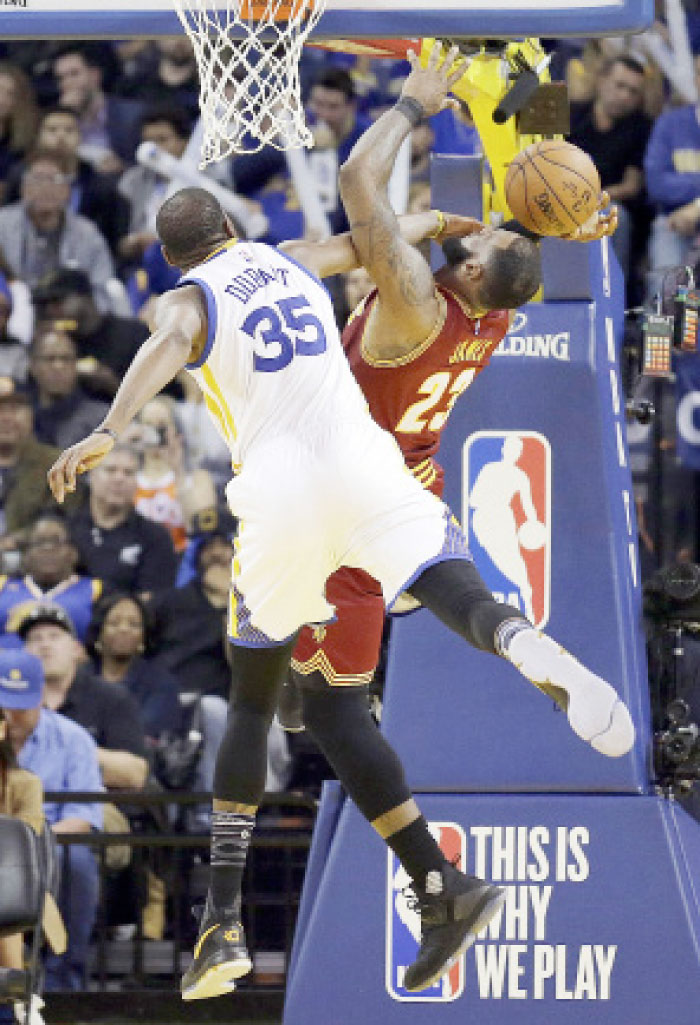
(275, 10)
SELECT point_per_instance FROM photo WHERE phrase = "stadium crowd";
(119, 598)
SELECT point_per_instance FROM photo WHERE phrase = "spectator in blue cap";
(21, 680)
(64, 757)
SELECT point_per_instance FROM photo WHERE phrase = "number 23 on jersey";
(424, 415)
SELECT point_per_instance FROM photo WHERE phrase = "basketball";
(532, 535)
(552, 187)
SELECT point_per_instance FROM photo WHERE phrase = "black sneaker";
(453, 908)
(289, 711)
(220, 956)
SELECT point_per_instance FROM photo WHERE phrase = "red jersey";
(415, 403)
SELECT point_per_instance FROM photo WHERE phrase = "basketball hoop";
(248, 55)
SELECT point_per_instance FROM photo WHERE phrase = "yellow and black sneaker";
(454, 908)
(220, 957)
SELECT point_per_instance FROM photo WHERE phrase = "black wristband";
(106, 430)
(410, 108)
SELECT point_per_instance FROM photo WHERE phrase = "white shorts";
(305, 509)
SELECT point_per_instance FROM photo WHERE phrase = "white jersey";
(273, 363)
(317, 484)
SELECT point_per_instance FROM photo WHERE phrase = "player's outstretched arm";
(180, 332)
(407, 294)
(338, 255)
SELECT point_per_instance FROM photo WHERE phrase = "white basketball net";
(250, 94)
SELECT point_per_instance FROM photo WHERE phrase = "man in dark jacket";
(117, 544)
(63, 412)
(24, 463)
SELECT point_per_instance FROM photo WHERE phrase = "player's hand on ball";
(600, 224)
(430, 85)
(75, 460)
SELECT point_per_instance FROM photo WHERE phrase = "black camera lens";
(677, 711)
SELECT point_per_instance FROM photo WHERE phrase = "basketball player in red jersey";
(414, 344)
(412, 361)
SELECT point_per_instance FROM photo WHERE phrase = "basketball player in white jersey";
(317, 485)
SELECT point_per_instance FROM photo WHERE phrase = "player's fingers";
(604, 200)
(71, 470)
(450, 57)
(435, 54)
(412, 58)
(55, 478)
(460, 70)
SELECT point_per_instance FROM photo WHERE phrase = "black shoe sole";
(486, 912)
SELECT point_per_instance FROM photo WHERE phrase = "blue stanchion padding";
(600, 923)
(464, 720)
(332, 799)
(380, 19)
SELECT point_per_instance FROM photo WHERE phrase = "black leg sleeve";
(369, 769)
(454, 591)
(257, 675)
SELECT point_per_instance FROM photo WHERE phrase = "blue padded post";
(602, 919)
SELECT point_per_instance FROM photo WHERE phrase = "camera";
(640, 410)
(677, 747)
(672, 606)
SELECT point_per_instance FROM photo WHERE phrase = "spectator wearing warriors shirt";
(117, 544)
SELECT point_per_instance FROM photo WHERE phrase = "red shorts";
(345, 652)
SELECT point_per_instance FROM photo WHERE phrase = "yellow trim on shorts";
(319, 662)
(232, 603)
(232, 615)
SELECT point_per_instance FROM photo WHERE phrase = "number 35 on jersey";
(282, 331)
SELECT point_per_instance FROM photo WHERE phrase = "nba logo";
(506, 512)
(403, 923)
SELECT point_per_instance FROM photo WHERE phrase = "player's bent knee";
(454, 591)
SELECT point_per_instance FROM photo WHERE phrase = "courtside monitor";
(342, 18)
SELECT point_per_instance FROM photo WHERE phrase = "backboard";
(342, 19)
